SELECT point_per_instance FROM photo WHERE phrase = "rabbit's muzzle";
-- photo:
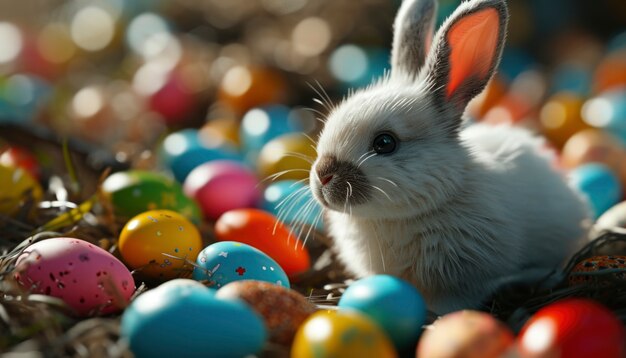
(341, 183)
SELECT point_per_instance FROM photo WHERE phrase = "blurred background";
(114, 78)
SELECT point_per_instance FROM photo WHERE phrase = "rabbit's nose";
(326, 169)
(326, 179)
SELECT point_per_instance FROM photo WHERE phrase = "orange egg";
(159, 243)
(611, 72)
(245, 87)
(560, 118)
(263, 231)
(594, 145)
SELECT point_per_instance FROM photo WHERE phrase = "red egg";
(263, 231)
(572, 328)
(173, 100)
(19, 157)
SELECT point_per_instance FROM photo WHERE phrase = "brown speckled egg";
(282, 309)
(597, 264)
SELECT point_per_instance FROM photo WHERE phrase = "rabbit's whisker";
(388, 181)
(382, 191)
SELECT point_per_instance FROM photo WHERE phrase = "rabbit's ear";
(466, 51)
(413, 34)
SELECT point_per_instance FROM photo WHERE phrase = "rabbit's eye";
(384, 143)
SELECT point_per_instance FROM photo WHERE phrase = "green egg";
(135, 191)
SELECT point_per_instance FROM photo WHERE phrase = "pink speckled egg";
(86, 277)
(222, 185)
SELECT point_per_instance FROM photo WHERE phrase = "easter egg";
(283, 310)
(228, 261)
(260, 125)
(599, 184)
(134, 191)
(226, 129)
(17, 186)
(598, 264)
(159, 243)
(174, 100)
(263, 231)
(614, 217)
(595, 145)
(292, 202)
(394, 304)
(222, 185)
(14, 156)
(560, 117)
(341, 334)
(185, 150)
(244, 87)
(607, 111)
(25, 97)
(610, 73)
(180, 318)
(288, 156)
(89, 279)
(469, 334)
(572, 328)
(357, 66)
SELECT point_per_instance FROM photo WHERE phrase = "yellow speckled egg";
(341, 334)
(15, 184)
(160, 243)
(290, 154)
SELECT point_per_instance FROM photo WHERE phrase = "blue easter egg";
(229, 261)
(184, 150)
(261, 125)
(292, 202)
(599, 184)
(23, 96)
(394, 304)
(182, 318)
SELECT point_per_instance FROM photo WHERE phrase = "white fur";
(456, 216)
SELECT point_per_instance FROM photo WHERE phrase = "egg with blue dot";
(228, 261)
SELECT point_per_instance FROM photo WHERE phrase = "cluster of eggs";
(240, 296)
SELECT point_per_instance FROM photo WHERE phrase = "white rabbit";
(409, 190)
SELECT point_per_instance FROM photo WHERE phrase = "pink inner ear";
(472, 41)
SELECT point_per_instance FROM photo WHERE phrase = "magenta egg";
(89, 279)
(222, 185)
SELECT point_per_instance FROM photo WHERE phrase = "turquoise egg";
(394, 304)
(22, 97)
(293, 203)
(133, 192)
(229, 261)
(261, 125)
(599, 184)
(607, 111)
(183, 318)
(356, 66)
(183, 151)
